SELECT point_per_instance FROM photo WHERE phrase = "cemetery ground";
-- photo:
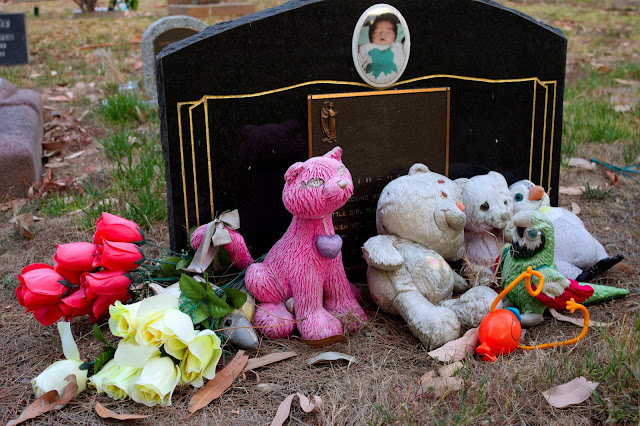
(106, 156)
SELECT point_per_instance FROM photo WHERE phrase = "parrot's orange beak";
(536, 193)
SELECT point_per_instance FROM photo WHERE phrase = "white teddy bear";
(578, 256)
(421, 223)
(488, 205)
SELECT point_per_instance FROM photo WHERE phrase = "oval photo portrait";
(381, 45)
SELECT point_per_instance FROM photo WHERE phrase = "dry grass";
(381, 388)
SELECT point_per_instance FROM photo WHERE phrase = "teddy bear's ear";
(461, 182)
(418, 168)
(294, 171)
(497, 177)
(335, 153)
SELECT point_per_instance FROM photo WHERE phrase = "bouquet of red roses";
(86, 277)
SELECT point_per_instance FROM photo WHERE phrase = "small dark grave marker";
(13, 39)
(233, 85)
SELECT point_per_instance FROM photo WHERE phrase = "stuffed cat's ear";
(294, 171)
(335, 153)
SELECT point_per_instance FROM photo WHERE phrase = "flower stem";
(162, 261)
(166, 249)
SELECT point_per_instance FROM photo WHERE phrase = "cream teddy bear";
(488, 205)
(421, 223)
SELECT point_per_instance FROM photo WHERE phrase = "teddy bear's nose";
(343, 184)
(460, 206)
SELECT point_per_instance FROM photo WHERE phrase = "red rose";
(78, 256)
(47, 315)
(118, 256)
(76, 305)
(40, 286)
(110, 227)
(102, 303)
(72, 276)
(105, 283)
(40, 291)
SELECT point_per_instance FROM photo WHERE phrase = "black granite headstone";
(13, 39)
(237, 82)
(372, 128)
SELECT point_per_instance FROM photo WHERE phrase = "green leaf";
(198, 311)
(103, 358)
(237, 298)
(97, 333)
(168, 270)
(192, 288)
(182, 263)
(200, 315)
(217, 307)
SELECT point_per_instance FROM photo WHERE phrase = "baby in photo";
(383, 56)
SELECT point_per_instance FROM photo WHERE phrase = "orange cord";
(527, 281)
(571, 307)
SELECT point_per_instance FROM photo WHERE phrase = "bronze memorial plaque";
(382, 134)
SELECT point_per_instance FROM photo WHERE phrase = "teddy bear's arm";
(379, 252)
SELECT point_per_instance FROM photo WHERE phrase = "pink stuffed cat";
(306, 263)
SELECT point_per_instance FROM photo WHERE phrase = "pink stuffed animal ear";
(335, 153)
(293, 171)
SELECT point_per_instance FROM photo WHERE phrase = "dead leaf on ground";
(622, 108)
(627, 82)
(61, 98)
(438, 385)
(285, 407)
(321, 343)
(105, 413)
(56, 164)
(570, 190)
(577, 321)
(220, 383)
(74, 155)
(456, 350)
(581, 163)
(267, 387)
(25, 225)
(575, 209)
(268, 359)
(571, 393)
(612, 177)
(48, 402)
(332, 356)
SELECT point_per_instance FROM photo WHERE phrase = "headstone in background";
(209, 9)
(13, 39)
(159, 35)
(505, 72)
(20, 139)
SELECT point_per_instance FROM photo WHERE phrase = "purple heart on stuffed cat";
(329, 245)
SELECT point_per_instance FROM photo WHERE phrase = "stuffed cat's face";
(318, 186)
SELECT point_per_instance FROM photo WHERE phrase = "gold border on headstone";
(192, 104)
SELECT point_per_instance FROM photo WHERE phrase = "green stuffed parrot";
(533, 245)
